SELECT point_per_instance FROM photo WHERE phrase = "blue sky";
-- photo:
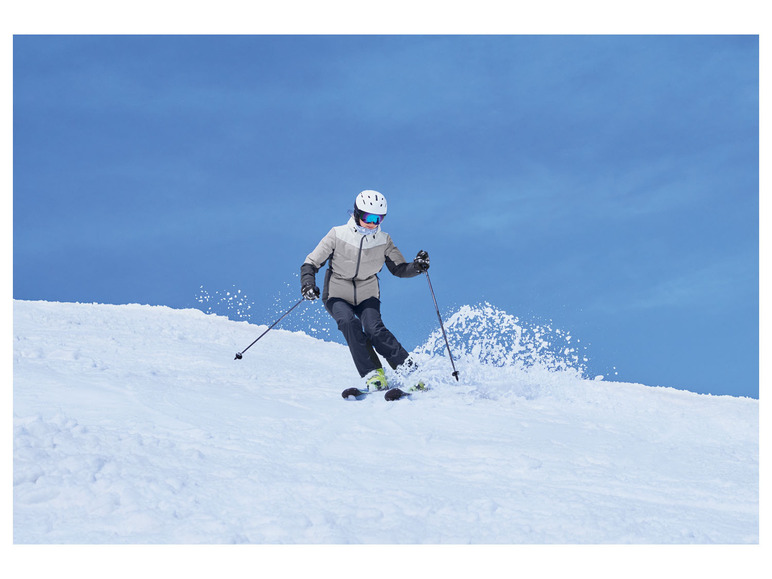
(608, 185)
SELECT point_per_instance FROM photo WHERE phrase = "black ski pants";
(364, 331)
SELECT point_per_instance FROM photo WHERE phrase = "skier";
(356, 252)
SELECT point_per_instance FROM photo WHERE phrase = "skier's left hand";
(310, 291)
(421, 261)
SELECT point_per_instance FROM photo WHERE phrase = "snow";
(134, 424)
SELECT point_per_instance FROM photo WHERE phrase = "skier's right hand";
(310, 291)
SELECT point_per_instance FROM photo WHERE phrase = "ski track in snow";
(133, 424)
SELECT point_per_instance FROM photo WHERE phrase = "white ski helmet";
(369, 201)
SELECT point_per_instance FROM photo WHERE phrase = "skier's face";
(364, 223)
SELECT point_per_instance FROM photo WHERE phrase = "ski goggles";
(373, 218)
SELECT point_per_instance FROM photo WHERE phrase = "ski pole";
(444, 335)
(239, 354)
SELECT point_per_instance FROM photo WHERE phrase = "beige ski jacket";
(354, 263)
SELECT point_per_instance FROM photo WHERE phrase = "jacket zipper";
(356, 273)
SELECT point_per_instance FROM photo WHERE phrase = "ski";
(357, 394)
(396, 394)
(399, 393)
(354, 394)
(390, 394)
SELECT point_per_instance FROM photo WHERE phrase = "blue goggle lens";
(372, 218)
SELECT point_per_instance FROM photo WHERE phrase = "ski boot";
(409, 376)
(417, 387)
(376, 380)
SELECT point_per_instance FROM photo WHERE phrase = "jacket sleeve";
(317, 258)
(397, 264)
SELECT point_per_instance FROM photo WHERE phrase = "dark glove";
(421, 261)
(310, 291)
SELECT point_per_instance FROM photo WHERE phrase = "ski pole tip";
(455, 375)
(238, 356)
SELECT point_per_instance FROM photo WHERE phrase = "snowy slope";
(134, 424)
